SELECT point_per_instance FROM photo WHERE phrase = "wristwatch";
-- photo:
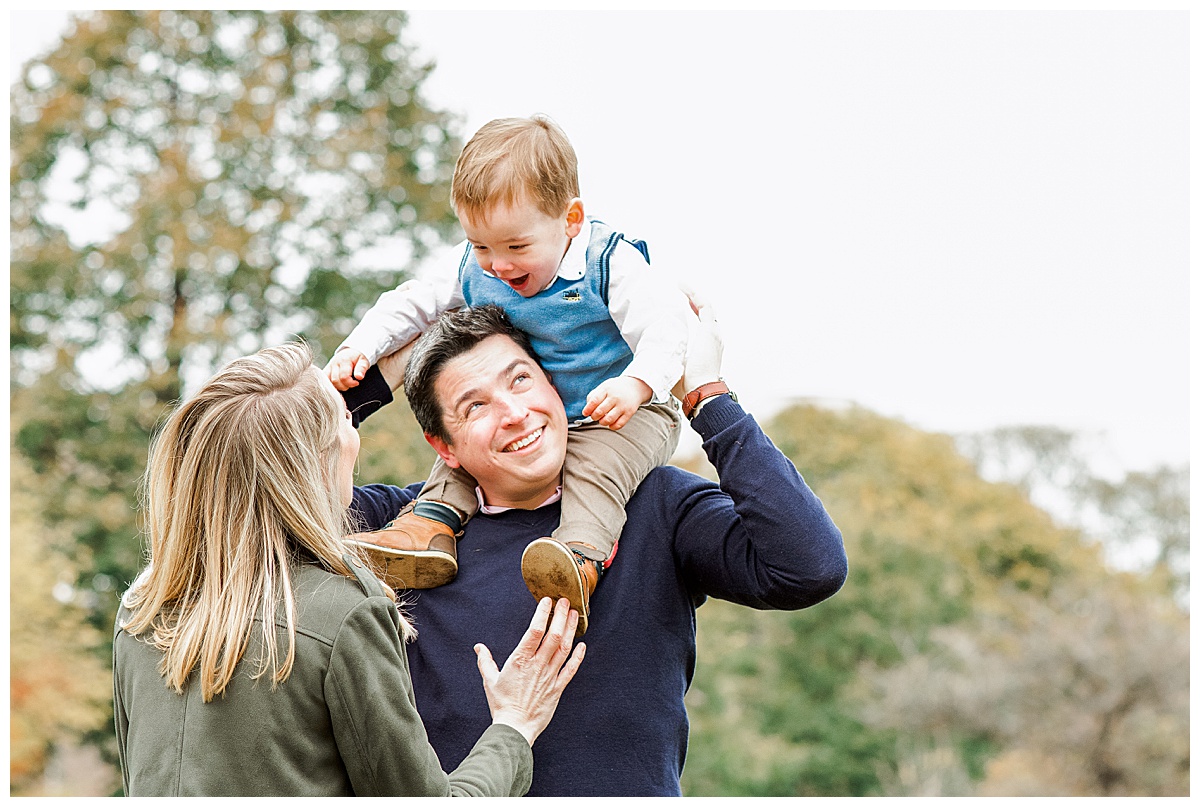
(703, 392)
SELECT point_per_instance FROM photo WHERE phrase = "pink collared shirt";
(491, 510)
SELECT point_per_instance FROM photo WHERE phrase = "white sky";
(963, 220)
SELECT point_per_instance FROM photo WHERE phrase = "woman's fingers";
(485, 662)
(568, 670)
(532, 640)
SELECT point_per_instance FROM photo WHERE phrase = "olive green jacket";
(344, 722)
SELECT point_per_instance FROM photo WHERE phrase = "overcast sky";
(963, 220)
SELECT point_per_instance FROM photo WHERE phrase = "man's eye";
(522, 379)
(472, 408)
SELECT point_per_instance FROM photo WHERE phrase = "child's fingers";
(361, 367)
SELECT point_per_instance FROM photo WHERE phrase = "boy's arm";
(403, 313)
(652, 315)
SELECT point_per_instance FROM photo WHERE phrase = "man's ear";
(575, 217)
(443, 449)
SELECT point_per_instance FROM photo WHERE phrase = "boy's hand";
(346, 369)
(614, 401)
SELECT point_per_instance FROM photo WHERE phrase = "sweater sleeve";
(380, 736)
(375, 505)
(763, 538)
(371, 395)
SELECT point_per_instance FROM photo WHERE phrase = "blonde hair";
(514, 159)
(241, 484)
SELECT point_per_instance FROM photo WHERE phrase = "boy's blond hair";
(514, 159)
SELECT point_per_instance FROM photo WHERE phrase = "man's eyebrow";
(474, 391)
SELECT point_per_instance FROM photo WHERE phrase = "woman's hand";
(525, 693)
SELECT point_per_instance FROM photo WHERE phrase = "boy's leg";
(417, 549)
(603, 469)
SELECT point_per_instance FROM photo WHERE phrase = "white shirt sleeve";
(402, 314)
(651, 313)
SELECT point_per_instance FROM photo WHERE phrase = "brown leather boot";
(412, 550)
(554, 570)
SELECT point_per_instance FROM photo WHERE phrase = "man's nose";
(512, 409)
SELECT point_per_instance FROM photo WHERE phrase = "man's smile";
(524, 442)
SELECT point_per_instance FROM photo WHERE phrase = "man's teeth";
(517, 446)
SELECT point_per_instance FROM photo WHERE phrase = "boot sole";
(550, 570)
(411, 568)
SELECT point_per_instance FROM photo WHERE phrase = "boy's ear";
(443, 449)
(575, 217)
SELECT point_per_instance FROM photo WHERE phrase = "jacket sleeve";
(380, 735)
(763, 538)
(120, 716)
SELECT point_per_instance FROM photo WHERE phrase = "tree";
(885, 688)
(59, 686)
(1084, 692)
(1142, 518)
(187, 187)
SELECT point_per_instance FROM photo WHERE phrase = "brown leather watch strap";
(700, 393)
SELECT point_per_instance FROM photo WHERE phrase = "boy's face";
(521, 245)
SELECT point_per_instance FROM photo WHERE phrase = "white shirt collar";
(574, 263)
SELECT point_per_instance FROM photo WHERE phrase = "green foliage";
(59, 685)
(261, 176)
(872, 692)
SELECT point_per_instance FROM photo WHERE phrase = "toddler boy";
(610, 332)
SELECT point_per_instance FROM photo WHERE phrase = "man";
(761, 539)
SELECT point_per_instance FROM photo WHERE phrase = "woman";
(245, 502)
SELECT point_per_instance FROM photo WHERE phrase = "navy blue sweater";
(762, 539)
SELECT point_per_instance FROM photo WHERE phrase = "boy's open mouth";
(518, 283)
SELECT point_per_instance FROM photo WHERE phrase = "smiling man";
(761, 538)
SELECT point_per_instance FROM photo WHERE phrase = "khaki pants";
(603, 469)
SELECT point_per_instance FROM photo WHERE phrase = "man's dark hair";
(451, 335)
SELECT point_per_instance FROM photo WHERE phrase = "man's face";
(521, 245)
(506, 423)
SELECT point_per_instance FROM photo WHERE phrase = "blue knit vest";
(569, 323)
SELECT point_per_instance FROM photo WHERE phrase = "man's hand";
(346, 369)
(614, 401)
(704, 351)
